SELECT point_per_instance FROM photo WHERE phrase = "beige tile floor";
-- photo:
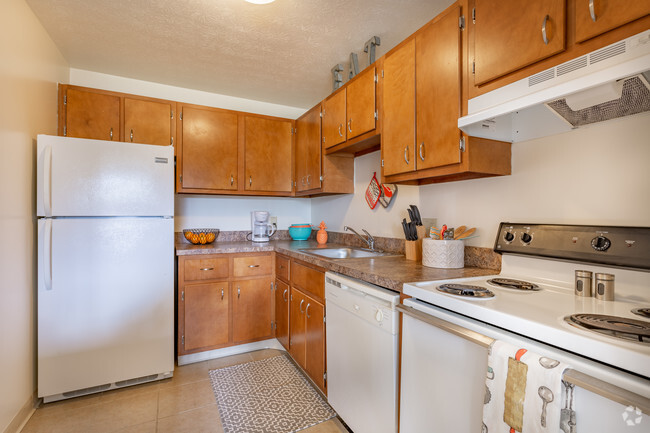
(184, 403)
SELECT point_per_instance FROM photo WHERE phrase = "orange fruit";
(188, 236)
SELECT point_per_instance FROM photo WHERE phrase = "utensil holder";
(449, 254)
(413, 250)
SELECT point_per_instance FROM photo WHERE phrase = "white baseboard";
(228, 351)
(23, 415)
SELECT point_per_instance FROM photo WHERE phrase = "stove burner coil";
(466, 290)
(620, 327)
(510, 283)
(643, 312)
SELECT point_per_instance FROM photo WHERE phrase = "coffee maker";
(261, 229)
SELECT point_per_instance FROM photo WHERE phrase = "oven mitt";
(388, 191)
(373, 192)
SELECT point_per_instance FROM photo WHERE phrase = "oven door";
(444, 362)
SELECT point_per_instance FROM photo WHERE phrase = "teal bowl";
(300, 233)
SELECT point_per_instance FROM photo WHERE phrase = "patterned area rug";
(267, 396)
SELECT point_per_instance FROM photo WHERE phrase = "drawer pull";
(592, 10)
(232, 180)
(238, 292)
(253, 266)
(307, 310)
(222, 294)
(131, 135)
(284, 295)
(207, 269)
(111, 133)
(544, 37)
(300, 306)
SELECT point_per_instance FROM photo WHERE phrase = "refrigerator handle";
(47, 181)
(47, 255)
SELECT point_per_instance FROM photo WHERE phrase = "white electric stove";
(533, 301)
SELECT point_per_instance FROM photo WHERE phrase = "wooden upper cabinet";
(208, 149)
(510, 35)
(148, 122)
(267, 154)
(438, 99)
(398, 110)
(595, 17)
(91, 114)
(334, 120)
(360, 104)
(308, 150)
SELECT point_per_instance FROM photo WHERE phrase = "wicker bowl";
(201, 236)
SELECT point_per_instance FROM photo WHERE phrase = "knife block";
(413, 250)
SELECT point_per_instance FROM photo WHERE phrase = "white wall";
(30, 69)
(595, 175)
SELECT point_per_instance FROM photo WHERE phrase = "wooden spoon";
(466, 233)
(459, 231)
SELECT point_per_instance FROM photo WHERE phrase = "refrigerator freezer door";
(81, 177)
(105, 301)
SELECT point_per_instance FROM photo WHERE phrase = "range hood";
(607, 83)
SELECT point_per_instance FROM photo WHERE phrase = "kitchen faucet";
(370, 240)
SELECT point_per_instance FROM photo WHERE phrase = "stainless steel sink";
(345, 253)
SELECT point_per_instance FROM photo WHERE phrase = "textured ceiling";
(280, 52)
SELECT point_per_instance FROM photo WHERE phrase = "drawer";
(309, 279)
(205, 269)
(252, 266)
(282, 267)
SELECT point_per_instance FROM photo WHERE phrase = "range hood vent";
(606, 84)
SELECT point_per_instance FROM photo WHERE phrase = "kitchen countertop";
(387, 271)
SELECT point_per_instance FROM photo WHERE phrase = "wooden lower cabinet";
(205, 318)
(252, 310)
(315, 341)
(224, 300)
(282, 312)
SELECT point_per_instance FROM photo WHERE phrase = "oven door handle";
(474, 337)
(585, 381)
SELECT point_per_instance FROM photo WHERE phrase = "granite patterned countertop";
(386, 271)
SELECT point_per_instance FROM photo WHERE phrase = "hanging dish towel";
(373, 192)
(523, 391)
(388, 191)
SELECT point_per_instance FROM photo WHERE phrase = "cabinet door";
(594, 17)
(398, 113)
(205, 315)
(252, 310)
(148, 122)
(92, 115)
(360, 104)
(268, 154)
(282, 313)
(438, 83)
(297, 342)
(209, 149)
(315, 341)
(334, 120)
(308, 150)
(509, 36)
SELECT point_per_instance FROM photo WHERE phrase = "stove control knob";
(600, 243)
(508, 236)
(526, 238)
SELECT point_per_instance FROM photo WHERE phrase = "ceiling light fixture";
(260, 2)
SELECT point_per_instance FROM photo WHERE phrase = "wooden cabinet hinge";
(172, 141)
(461, 22)
(65, 99)
(376, 78)
(324, 319)
(376, 115)
(181, 179)
(180, 115)
(172, 114)
(65, 131)
(462, 144)
(325, 377)
(382, 162)
(183, 295)
(183, 340)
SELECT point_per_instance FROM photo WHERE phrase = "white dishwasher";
(361, 330)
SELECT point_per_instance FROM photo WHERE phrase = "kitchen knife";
(411, 216)
(416, 214)
(406, 231)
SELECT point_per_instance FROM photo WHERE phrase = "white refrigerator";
(105, 265)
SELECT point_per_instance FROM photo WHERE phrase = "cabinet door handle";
(406, 156)
(222, 294)
(544, 37)
(308, 181)
(238, 292)
(111, 133)
(207, 269)
(303, 181)
(283, 295)
(421, 151)
(250, 180)
(340, 126)
(350, 125)
(131, 135)
(592, 10)
(307, 310)
(232, 180)
(253, 266)
(300, 306)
